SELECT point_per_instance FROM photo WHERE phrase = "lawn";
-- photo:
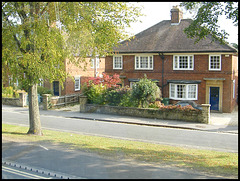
(218, 163)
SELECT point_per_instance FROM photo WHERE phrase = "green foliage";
(43, 90)
(144, 92)
(113, 97)
(120, 97)
(96, 94)
(7, 92)
(206, 20)
(127, 100)
(10, 92)
(37, 37)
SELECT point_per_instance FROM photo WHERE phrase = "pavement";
(62, 161)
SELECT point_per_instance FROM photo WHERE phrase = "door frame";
(214, 83)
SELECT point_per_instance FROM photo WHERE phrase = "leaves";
(206, 20)
(144, 92)
(37, 37)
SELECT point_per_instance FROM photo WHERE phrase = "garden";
(144, 94)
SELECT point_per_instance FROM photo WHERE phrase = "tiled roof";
(166, 38)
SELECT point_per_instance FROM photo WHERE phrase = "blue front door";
(214, 98)
(56, 88)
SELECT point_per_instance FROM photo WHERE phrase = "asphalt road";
(169, 136)
(11, 172)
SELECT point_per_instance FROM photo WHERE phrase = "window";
(117, 62)
(183, 62)
(77, 83)
(132, 84)
(183, 91)
(93, 62)
(214, 62)
(40, 82)
(144, 62)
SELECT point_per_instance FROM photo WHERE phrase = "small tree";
(144, 92)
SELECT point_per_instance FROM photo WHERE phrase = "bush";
(43, 90)
(113, 97)
(120, 97)
(10, 92)
(7, 92)
(144, 92)
(95, 94)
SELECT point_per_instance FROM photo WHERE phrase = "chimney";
(176, 15)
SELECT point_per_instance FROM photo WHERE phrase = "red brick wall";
(73, 70)
(201, 70)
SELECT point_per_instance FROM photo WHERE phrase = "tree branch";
(44, 9)
(14, 36)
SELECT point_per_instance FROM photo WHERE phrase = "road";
(11, 172)
(168, 136)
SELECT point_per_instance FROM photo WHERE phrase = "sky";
(159, 11)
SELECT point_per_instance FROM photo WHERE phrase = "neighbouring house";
(205, 72)
(94, 67)
(71, 85)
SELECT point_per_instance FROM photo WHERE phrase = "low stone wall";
(200, 116)
(21, 101)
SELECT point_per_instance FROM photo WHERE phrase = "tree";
(206, 19)
(235, 45)
(37, 37)
(144, 92)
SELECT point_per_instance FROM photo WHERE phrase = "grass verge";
(220, 163)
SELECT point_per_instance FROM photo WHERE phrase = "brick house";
(206, 72)
(73, 85)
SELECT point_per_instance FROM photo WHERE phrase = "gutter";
(161, 55)
(202, 51)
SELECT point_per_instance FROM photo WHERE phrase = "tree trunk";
(34, 116)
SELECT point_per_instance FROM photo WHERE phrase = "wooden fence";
(57, 101)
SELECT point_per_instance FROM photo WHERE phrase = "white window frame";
(173, 95)
(176, 62)
(220, 63)
(150, 62)
(121, 62)
(132, 84)
(40, 82)
(92, 62)
(77, 79)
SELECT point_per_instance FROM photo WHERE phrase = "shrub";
(113, 97)
(43, 90)
(10, 92)
(7, 92)
(95, 94)
(144, 92)
(120, 97)
(100, 90)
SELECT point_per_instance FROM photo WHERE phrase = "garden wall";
(200, 116)
(21, 101)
